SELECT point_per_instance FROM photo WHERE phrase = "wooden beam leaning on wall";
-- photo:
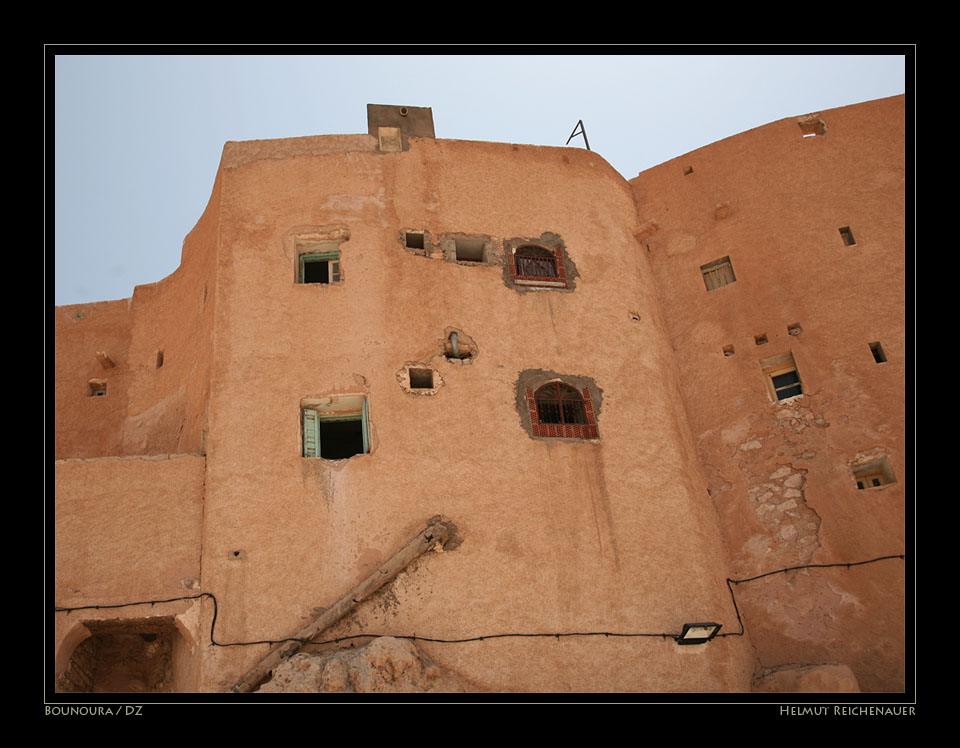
(436, 531)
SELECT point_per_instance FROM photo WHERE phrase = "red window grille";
(539, 266)
(557, 409)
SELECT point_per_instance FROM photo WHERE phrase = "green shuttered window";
(336, 427)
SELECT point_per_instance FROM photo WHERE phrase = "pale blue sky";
(138, 138)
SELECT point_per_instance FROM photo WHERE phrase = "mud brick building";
(615, 394)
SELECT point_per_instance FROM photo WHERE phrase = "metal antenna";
(583, 132)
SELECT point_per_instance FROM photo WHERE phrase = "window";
(559, 410)
(873, 474)
(335, 427)
(783, 380)
(97, 388)
(537, 266)
(717, 273)
(321, 267)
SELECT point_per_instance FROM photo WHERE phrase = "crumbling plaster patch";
(767, 452)
(404, 380)
(385, 665)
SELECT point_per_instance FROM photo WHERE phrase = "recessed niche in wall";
(418, 379)
(421, 379)
(847, 235)
(389, 139)
(159, 359)
(688, 171)
(469, 250)
(812, 126)
(96, 388)
(760, 339)
(728, 350)
(794, 329)
(878, 355)
(414, 239)
(459, 348)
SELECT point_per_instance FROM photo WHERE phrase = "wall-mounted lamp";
(698, 633)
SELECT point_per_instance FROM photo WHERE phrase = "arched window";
(560, 410)
(559, 403)
(536, 266)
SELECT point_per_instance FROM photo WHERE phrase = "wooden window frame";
(873, 474)
(316, 411)
(718, 274)
(776, 366)
(333, 268)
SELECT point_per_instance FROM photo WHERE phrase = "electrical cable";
(414, 637)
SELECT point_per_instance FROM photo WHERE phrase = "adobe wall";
(615, 534)
(126, 530)
(696, 475)
(88, 426)
(780, 474)
(157, 346)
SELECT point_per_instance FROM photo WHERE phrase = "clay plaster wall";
(128, 529)
(158, 346)
(780, 474)
(695, 476)
(556, 535)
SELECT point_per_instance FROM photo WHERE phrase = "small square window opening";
(717, 273)
(847, 236)
(320, 268)
(421, 379)
(96, 388)
(414, 240)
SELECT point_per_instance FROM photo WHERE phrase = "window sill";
(541, 283)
